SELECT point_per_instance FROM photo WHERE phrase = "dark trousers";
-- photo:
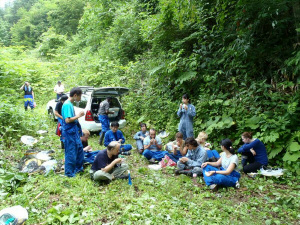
(249, 164)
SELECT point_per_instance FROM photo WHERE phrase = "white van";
(89, 103)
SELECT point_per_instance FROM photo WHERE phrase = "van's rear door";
(109, 91)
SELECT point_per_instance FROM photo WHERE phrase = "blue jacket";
(196, 157)
(140, 134)
(260, 149)
(186, 119)
(111, 136)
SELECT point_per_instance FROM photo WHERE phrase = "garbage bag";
(28, 140)
(15, 215)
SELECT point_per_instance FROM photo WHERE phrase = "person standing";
(71, 132)
(186, 112)
(59, 89)
(103, 117)
(57, 113)
(28, 95)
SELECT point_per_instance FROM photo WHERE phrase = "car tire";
(51, 114)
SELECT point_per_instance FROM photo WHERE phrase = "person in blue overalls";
(116, 135)
(71, 132)
(140, 136)
(227, 175)
(186, 112)
(103, 117)
(153, 146)
(57, 113)
(28, 95)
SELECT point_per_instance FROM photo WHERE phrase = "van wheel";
(51, 114)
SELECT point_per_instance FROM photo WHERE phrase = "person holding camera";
(153, 146)
(28, 95)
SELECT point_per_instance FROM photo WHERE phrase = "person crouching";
(107, 166)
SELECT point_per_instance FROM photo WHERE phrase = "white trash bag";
(15, 215)
(28, 140)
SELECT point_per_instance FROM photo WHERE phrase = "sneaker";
(122, 177)
(152, 160)
(213, 187)
(125, 153)
(237, 185)
(186, 172)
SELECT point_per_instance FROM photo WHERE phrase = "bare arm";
(57, 114)
(183, 151)
(112, 165)
(32, 95)
(21, 88)
(226, 172)
(72, 119)
(215, 164)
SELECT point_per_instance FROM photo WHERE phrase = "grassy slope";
(156, 197)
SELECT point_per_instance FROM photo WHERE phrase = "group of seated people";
(193, 157)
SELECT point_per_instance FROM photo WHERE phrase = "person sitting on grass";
(89, 154)
(212, 155)
(254, 153)
(107, 166)
(140, 136)
(195, 157)
(114, 134)
(227, 175)
(153, 146)
(178, 148)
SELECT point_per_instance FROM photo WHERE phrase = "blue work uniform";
(221, 179)
(111, 136)
(103, 117)
(139, 141)
(196, 158)
(186, 120)
(153, 151)
(28, 97)
(71, 133)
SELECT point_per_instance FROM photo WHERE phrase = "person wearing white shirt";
(59, 89)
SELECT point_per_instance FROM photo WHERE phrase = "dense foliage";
(239, 60)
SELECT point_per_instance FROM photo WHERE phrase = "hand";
(252, 151)
(142, 138)
(180, 106)
(203, 165)
(185, 106)
(209, 173)
(118, 160)
(184, 159)
(81, 114)
(120, 140)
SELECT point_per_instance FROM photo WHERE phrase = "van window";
(83, 102)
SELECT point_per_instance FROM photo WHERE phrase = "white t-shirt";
(59, 89)
(227, 161)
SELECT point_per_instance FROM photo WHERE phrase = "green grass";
(156, 197)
